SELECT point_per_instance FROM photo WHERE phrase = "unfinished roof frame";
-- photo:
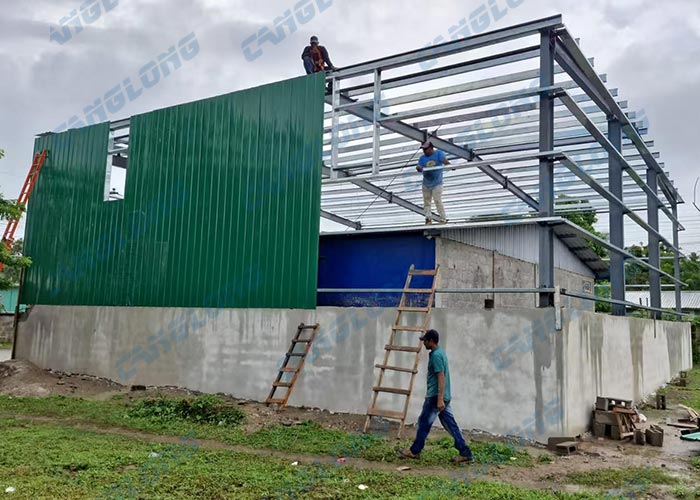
(571, 133)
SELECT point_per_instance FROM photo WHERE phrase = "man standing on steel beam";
(437, 404)
(432, 180)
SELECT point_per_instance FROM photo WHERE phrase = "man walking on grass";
(437, 403)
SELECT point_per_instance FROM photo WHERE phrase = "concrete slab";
(5, 354)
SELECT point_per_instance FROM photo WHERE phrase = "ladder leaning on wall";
(287, 370)
(405, 306)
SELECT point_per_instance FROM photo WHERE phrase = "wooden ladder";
(405, 306)
(286, 368)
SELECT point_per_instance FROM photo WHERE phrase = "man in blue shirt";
(437, 404)
(432, 180)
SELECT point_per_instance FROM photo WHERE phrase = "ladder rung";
(282, 384)
(376, 412)
(287, 369)
(309, 327)
(403, 348)
(414, 309)
(301, 340)
(274, 401)
(423, 272)
(408, 328)
(396, 368)
(393, 390)
(417, 290)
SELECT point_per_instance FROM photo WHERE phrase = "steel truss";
(531, 131)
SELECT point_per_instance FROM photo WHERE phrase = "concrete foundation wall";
(512, 373)
(613, 356)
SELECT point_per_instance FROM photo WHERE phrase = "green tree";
(639, 275)
(11, 261)
(585, 219)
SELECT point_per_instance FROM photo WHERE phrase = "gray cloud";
(649, 49)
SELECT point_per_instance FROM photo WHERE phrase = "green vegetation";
(204, 409)
(5, 345)
(688, 395)
(53, 462)
(12, 261)
(161, 416)
(684, 493)
(638, 275)
(621, 478)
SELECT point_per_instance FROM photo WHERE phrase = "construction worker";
(432, 180)
(437, 404)
(316, 58)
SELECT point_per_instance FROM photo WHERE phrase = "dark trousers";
(427, 416)
(308, 65)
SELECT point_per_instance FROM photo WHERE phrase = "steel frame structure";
(531, 131)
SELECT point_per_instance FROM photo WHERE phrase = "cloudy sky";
(650, 51)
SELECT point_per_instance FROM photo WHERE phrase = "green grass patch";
(685, 493)
(627, 482)
(165, 417)
(6, 345)
(54, 462)
(688, 395)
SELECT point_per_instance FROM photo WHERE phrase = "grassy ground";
(6, 345)
(307, 438)
(55, 462)
(44, 455)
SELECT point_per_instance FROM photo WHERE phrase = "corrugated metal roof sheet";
(689, 299)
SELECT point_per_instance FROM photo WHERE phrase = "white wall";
(512, 373)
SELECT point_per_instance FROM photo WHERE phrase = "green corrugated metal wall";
(221, 207)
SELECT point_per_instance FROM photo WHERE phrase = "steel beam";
(450, 48)
(612, 248)
(546, 177)
(616, 219)
(452, 70)
(383, 193)
(676, 261)
(399, 127)
(600, 137)
(592, 85)
(654, 242)
(340, 220)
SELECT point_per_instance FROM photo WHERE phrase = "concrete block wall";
(466, 266)
(512, 372)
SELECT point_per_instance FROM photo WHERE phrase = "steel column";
(676, 260)
(377, 116)
(617, 223)
(335, 120)
(654, 241)
(546, 188)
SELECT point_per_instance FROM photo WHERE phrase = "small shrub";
(203, 410)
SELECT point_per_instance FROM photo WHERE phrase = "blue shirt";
(432, 179)
(437, 364)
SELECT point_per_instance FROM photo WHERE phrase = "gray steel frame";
(565, 135)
